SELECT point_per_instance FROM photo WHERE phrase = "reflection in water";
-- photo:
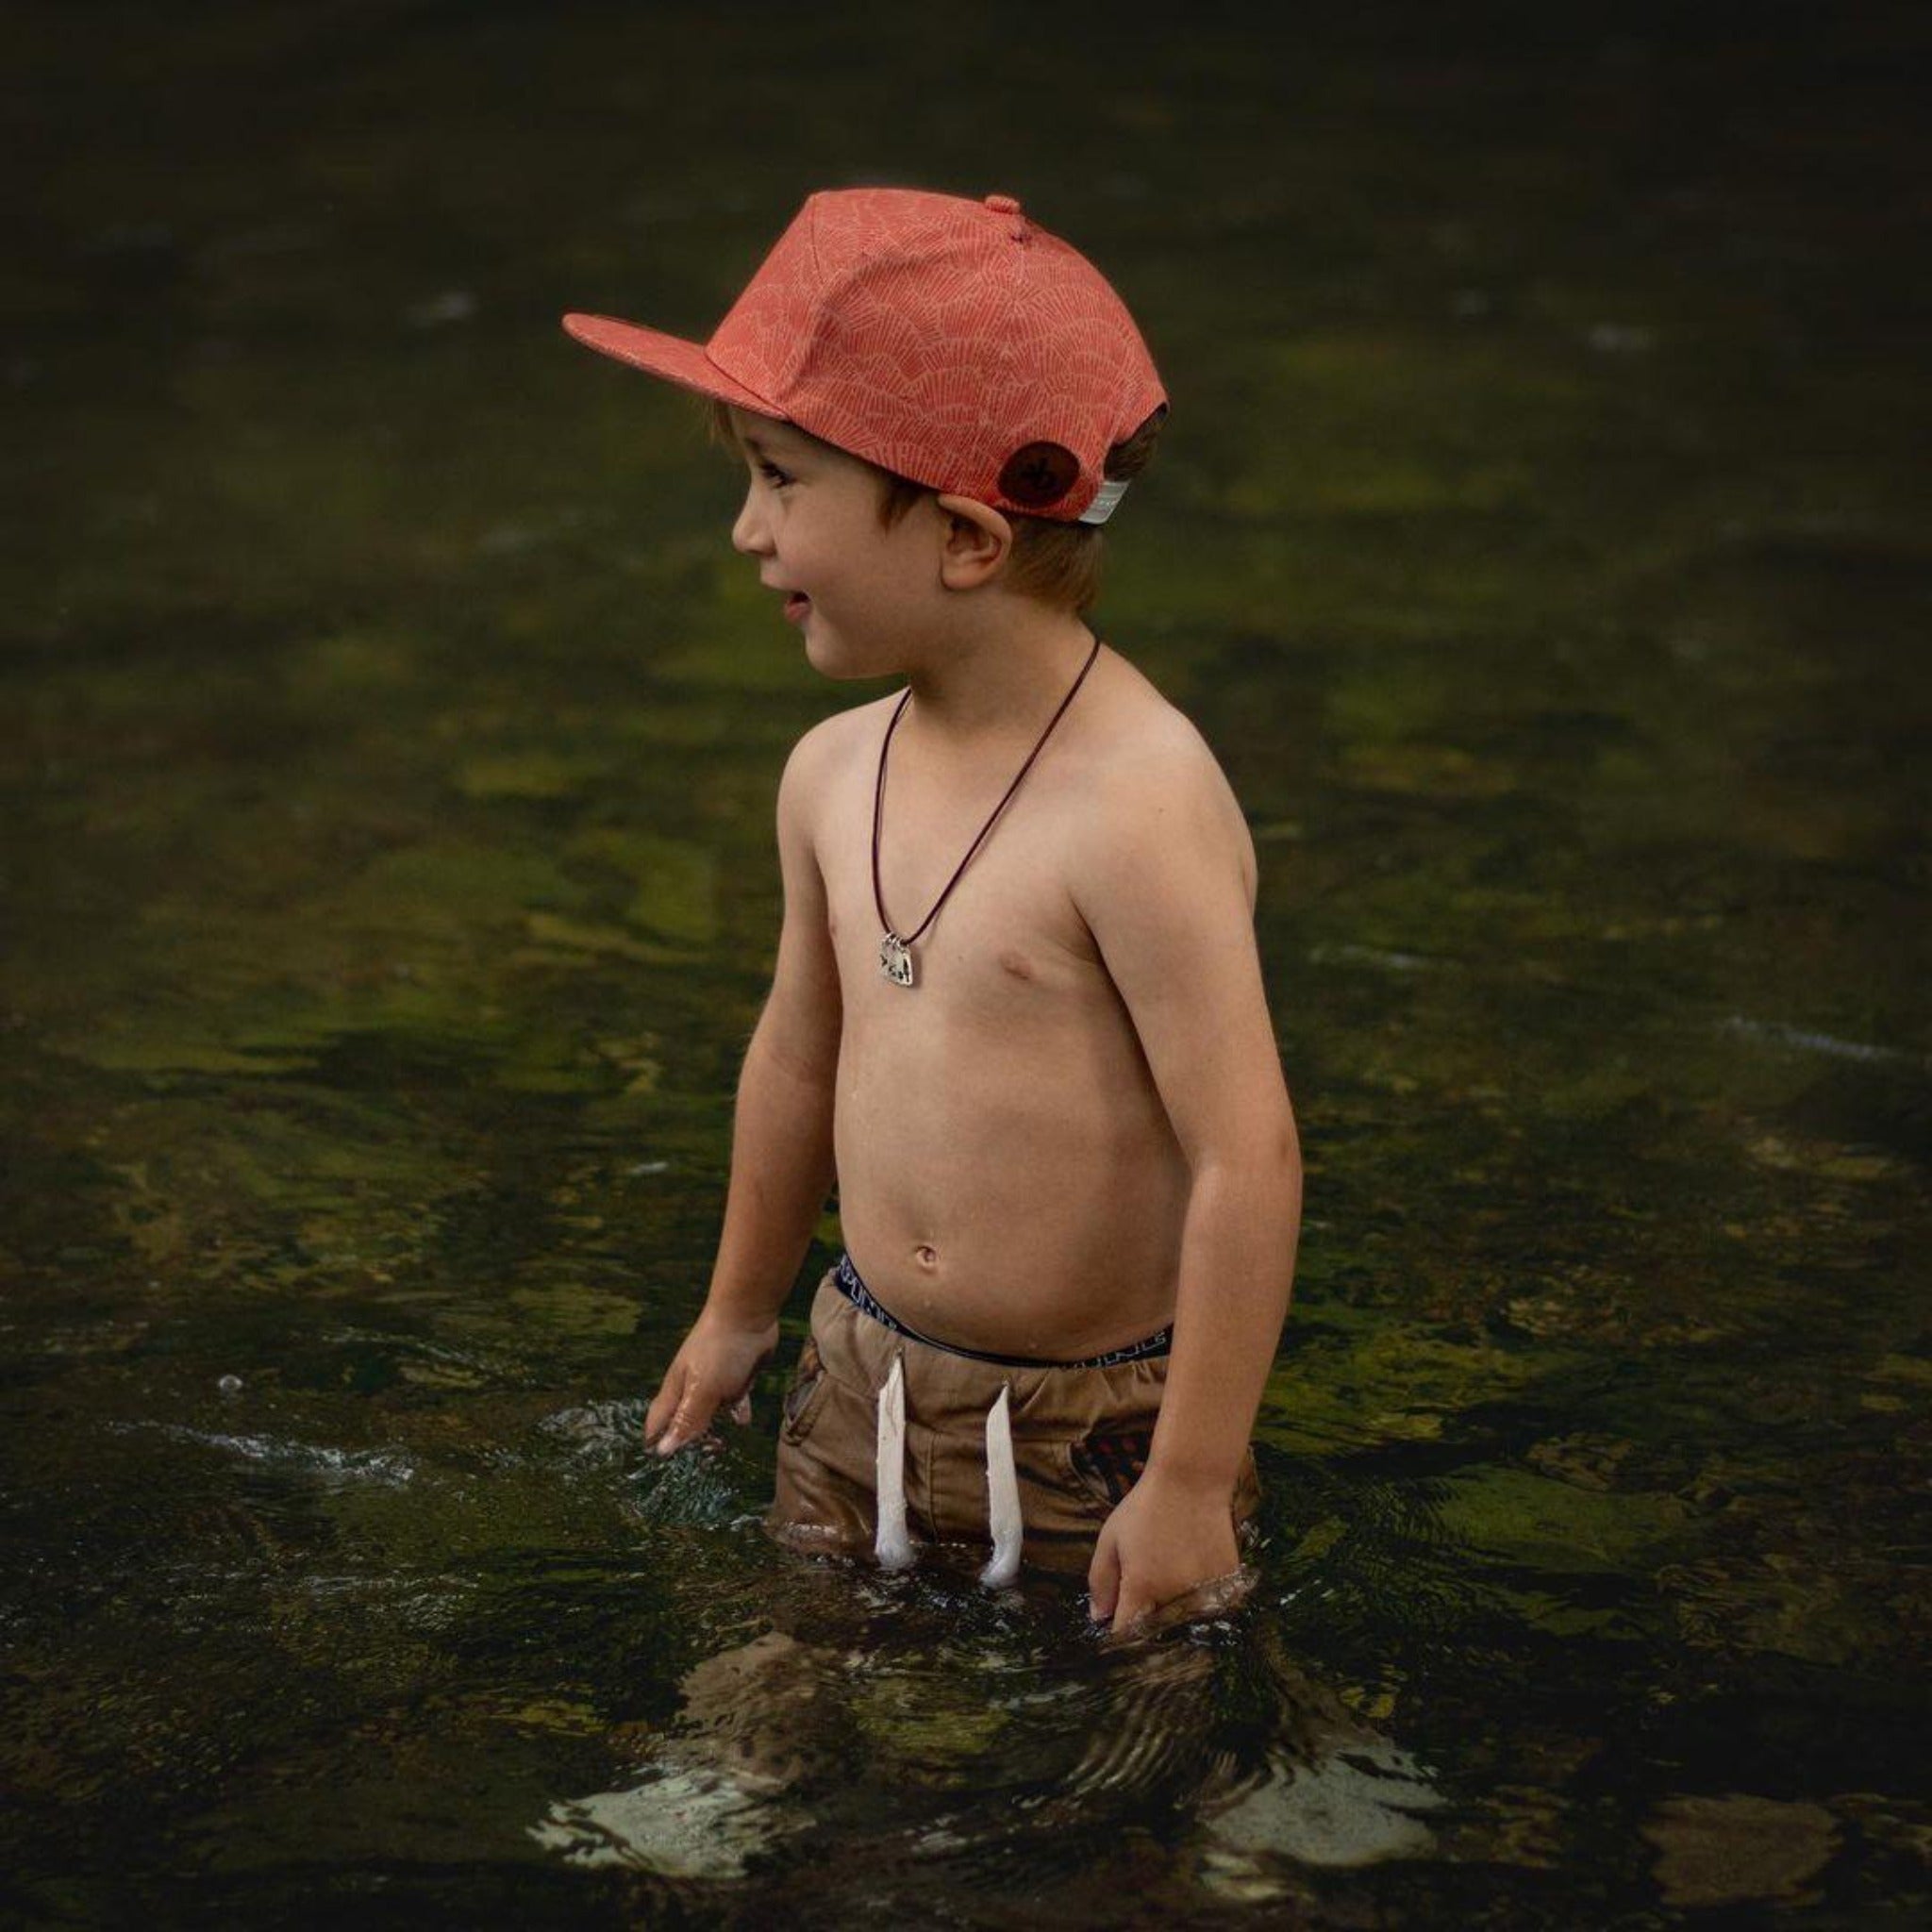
(1013, 1750)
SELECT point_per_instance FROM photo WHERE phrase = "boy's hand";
(714, 1369)
(1166, 1540)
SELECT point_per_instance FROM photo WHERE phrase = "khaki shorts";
(1079, 1435)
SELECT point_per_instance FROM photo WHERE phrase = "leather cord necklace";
(895, 954)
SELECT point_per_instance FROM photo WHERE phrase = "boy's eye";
(772, 475)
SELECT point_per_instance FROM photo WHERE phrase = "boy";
(1065, 1156)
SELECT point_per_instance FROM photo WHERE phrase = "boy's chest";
(1008, 947)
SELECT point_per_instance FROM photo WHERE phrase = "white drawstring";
(893, 1546)
(1002, 1498)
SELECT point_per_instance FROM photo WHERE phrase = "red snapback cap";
(950, 341)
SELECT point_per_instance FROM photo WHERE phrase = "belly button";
(927, 1258)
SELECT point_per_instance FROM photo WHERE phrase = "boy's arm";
(782, 1163)
(1164, 886)
(781, 1144)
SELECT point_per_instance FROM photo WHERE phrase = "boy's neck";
(999, 689)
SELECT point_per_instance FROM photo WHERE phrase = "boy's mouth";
(796, 606)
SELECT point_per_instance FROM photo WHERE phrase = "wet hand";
(1166, 1554)
(714, 1370)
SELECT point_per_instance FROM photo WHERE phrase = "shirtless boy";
(1016, 1012)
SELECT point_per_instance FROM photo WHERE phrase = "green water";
(392, 736)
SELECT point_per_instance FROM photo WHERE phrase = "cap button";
(1003, 204)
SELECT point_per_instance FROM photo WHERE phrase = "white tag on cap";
(1105, 500)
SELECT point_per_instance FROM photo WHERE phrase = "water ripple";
(370, 1465)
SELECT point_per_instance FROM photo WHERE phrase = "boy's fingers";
(661, 1403)
(693, 1412)
(688, 1411)
(1103, 1580)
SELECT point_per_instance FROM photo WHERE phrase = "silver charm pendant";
(895, 959)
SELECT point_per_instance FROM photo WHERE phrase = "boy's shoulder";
(1154, 775)
(1124, 749)
(820, 748)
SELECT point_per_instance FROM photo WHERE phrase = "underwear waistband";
(855, 1290)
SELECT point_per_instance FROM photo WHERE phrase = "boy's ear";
(975, 540)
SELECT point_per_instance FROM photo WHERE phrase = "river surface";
(1540, 538)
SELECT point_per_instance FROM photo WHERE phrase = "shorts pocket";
(805, 1400)
(1107, 1463)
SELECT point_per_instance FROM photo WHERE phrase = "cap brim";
(671, 357)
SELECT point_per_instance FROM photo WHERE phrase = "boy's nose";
(748, 532)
